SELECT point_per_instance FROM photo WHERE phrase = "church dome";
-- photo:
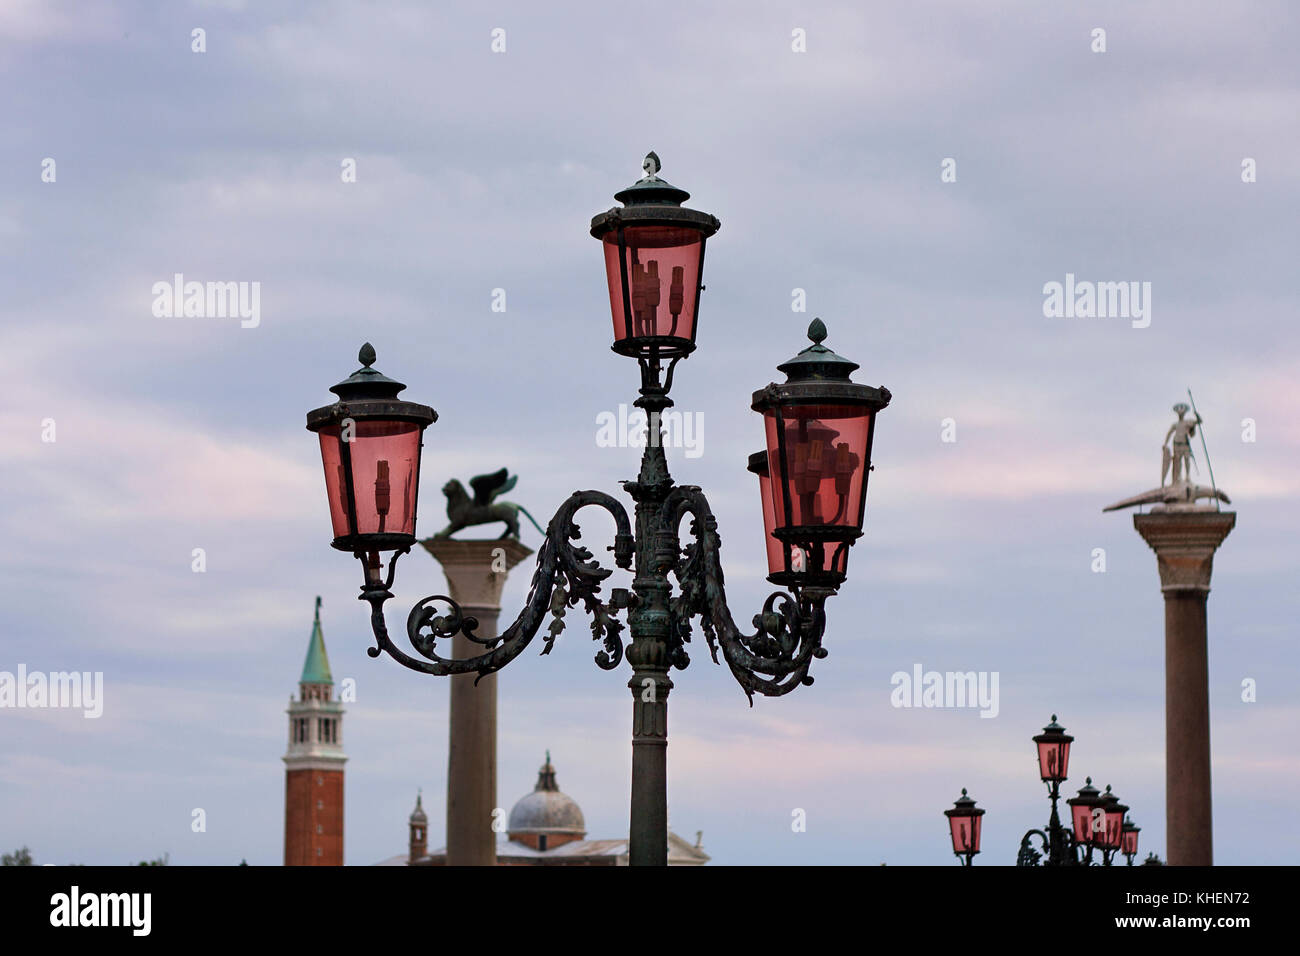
(546, 810)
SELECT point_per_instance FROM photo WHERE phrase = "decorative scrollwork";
(565, 574)
(1066, 852)
(440, 626)
(775, 659)
(1028, 856)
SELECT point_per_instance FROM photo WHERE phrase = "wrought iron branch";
(1066, 853)
(773, 660)
(1028, 856)
(566, 574)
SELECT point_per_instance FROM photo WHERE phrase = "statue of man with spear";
(1178, 453)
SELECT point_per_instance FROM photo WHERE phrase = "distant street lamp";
(820, 427)
(1087, 824)
(964, 827)
(1112, 837)
(1130, 836)
(1098, 821)
(1053, 767)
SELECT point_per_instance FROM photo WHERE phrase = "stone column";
(476, 573)
(1184, 540)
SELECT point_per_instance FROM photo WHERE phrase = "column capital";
(1184, 542)
(476, 570)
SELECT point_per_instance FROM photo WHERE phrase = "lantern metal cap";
(964, 803)
(650, 189)
(818, 375)
(366, 382)
(653, 201)
(1087, 793)
(817, 361)
(1053, 732)
(369, 393)
(964, 806)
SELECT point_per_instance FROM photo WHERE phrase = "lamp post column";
(649, 622)
(1184, 543)
(1056, 854)
(476, 573)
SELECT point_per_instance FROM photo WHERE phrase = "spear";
(1205, 449)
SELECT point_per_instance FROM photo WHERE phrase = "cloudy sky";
(479, 170)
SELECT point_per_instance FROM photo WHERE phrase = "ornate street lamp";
(1130, 840)
(820, 427)
(1053, 746)
(1096, 821)
(964, 827)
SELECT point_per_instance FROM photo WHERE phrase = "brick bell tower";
(313, 783)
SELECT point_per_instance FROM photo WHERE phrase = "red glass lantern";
(1086, 831)
(1129, 839)
(370, 445)
(775, 550)
(1112, 836)
(654, 263)
(1053, 752)
(964, 826)
(820, 428)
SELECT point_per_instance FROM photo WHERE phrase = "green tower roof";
(316, 669)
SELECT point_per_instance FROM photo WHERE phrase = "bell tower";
(313, 786)
(419, 824)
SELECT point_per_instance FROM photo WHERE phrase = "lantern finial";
(651, 165)
(367, 355)
(817, 331)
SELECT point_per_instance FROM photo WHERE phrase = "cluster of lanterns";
(819, 424)
(1098, 819)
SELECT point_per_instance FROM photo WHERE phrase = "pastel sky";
(479, 171)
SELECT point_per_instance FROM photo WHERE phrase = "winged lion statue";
(465, 512)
